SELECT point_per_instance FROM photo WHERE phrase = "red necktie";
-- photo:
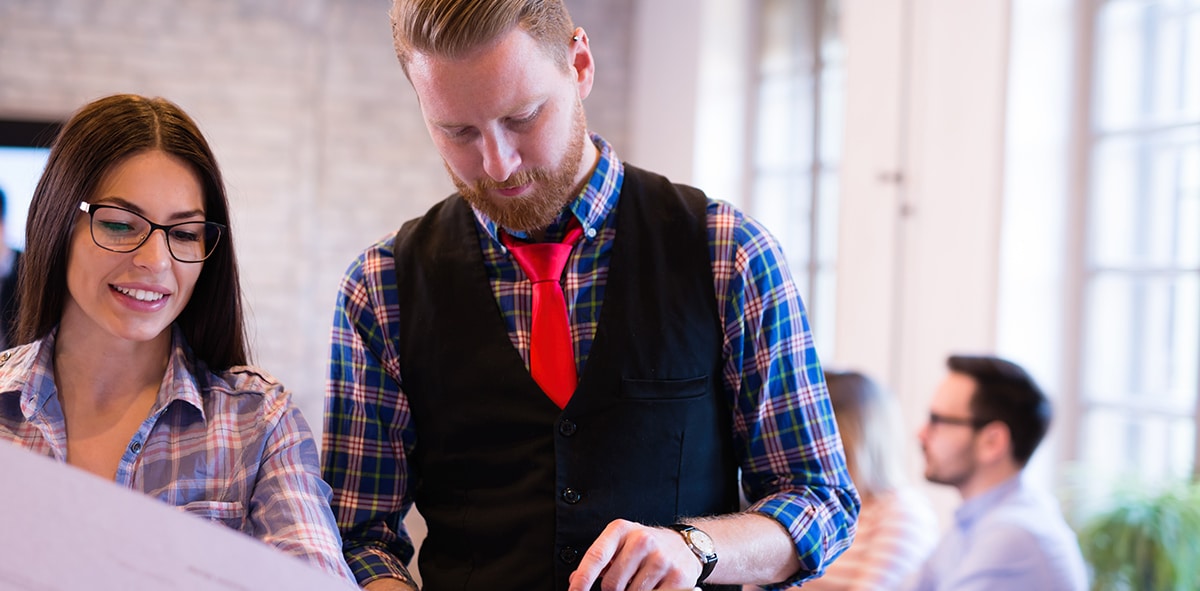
(551, 352)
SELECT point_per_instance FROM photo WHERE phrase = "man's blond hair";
(454, 28)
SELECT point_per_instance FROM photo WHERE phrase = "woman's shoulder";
(245, 380)
(16, 364)
(19, 354)
(245, 387)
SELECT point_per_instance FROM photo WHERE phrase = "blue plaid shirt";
(793, 466)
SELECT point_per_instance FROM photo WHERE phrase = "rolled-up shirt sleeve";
(791, 456)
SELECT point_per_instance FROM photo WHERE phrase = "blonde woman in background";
(897, 528)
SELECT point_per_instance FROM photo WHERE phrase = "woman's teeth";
(141, 294)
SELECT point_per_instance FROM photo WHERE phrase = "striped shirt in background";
(896, 532)
(229, 447)
(784, 433)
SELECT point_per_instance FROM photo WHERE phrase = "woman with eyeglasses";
(132, 356)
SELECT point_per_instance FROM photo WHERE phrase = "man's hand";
(634, 557)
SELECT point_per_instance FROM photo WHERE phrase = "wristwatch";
(701, 545)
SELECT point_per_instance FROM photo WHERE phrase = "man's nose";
(500, 157)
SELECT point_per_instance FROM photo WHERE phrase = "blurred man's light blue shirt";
(1012, 537)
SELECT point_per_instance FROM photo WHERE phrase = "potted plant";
(1146, 541)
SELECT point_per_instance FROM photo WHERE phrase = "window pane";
(1146, 200)
(823, 311)
(833, 86)
(1148, 70)
(1191, 62)
(784, 130)
(827, 224)
(833, 98)
(1141, 343)
(781, 203)
(1120, 446)
(784, 31)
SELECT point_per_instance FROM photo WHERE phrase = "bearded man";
(565, 364)
(986, 419)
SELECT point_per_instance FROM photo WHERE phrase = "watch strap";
(708, 559)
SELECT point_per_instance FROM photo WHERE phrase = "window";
(24, 149)
(1139, 336)
(795, 146)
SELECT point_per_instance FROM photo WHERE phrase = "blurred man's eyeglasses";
(120, 230)
(972, 422)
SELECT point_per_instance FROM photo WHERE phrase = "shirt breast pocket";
(231, 514)
(665, 390)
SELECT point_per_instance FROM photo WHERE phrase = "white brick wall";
(316, 129)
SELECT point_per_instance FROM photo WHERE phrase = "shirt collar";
(32, 374)
(179, 382)
(970, 511)
(37, 387)
(590, 207)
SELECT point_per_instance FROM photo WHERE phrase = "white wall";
(305, 108)
(665, 74)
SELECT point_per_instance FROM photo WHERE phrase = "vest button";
(571, 496)
(568, 555)
(567, 427)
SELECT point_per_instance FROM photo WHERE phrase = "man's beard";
(953, 475)
(552, 189)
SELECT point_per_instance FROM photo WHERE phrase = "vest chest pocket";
(681, 389)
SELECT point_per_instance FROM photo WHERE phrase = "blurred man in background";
(985, 421)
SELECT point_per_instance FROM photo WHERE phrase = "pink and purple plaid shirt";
(225, 446)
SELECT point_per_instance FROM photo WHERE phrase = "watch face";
(701, 541)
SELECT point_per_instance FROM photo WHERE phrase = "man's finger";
(598, 556)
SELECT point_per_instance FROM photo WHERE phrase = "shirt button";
(571, 496)
(135, 447)
(591, 232)
(4, 357)
(568, 555)
(567, 427)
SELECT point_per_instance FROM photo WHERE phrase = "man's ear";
(580, 57)
(994, 442)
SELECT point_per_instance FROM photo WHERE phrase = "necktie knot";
(544, 261)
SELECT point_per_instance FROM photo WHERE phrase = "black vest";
(513, 489)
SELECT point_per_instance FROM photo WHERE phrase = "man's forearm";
(751, 548)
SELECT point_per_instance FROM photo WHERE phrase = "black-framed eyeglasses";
(119, 230)
(972, 422)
